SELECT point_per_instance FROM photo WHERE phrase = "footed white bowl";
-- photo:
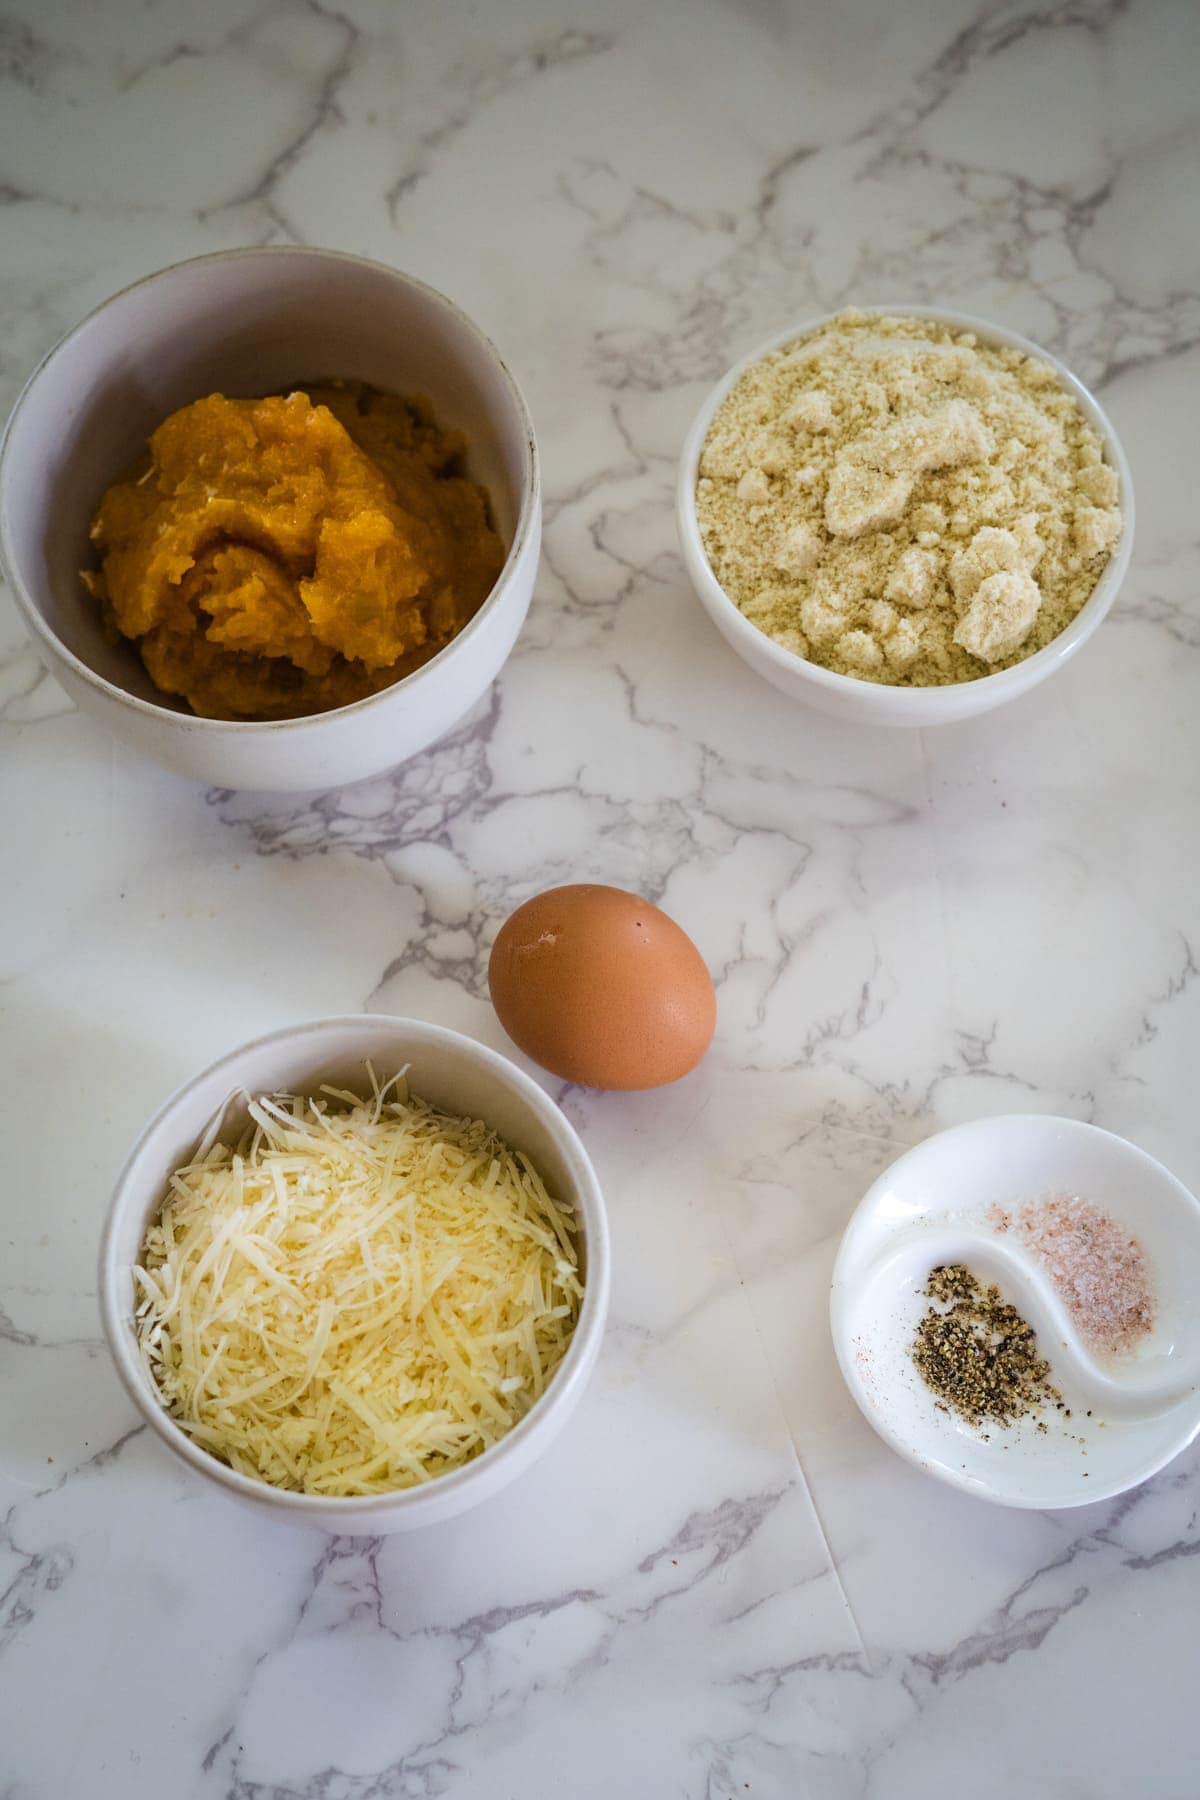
(871, 702)
(454, 1073)
(248, 322)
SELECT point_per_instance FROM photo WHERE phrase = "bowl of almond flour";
(906, 516)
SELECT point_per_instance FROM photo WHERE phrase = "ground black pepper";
(977, 1354)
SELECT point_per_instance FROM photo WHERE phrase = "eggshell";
(602, 988)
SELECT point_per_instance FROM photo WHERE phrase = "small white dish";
(454, 1073)
(247, 322)
(1128, 1416)
(871, 702)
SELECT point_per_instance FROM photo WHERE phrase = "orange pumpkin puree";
(282, 556)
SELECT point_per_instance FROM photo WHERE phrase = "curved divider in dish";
(1124, 1417)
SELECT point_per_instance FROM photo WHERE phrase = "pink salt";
(1097, 1266)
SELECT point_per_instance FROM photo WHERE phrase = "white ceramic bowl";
(1129, 1416)
(869, 702)
(252, 322)
(454, 1073)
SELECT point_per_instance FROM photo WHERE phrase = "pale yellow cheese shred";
(358, 1297)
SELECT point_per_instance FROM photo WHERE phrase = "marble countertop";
(719, 1583)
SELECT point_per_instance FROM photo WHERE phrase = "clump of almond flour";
(897, 500)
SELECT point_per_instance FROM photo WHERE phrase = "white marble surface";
(720, 1583)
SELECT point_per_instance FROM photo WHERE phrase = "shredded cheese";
(359, 1296)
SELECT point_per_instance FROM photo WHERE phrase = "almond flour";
(896, 500)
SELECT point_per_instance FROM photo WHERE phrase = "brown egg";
(601, 988)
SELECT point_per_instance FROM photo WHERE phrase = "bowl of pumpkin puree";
(272, 517)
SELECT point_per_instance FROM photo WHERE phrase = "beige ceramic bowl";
(870, 702)
(251, 322)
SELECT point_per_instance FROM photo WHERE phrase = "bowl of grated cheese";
(356, 1273)
(903, 515)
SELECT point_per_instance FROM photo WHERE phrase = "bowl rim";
(923, 703)
(881, 1422)
(565, 1383)
(527, 517)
